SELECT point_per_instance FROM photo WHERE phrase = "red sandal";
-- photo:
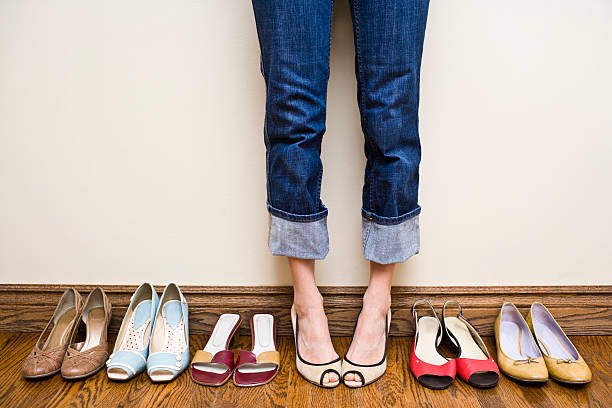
(215, 364)
(429, 367)
(474, 363)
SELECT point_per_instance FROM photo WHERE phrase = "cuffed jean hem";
(391, 242)
(298, 239)
(297, 217)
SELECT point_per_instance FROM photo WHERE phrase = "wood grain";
(397, 388)
(580, 310)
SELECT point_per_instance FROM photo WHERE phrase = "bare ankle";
(379, 301)
(308, 304)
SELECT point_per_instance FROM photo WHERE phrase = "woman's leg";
(294, 37)
(389, 38)
(314, 340)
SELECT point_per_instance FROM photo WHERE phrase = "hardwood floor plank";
(275, 392)
(343, 396)
(298, 389)
(392, 385)
(201, 396)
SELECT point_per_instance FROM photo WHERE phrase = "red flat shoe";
(215, 364)
(474, 363)
(430, 368)
(260, 365)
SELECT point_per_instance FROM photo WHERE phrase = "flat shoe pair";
(214, 365)
(536, 349)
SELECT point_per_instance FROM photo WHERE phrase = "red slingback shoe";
(429, 367)
(474, 363)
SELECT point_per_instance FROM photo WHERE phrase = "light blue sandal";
(131, 350)
(169, 351)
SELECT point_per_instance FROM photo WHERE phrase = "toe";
(326, 379)
(333, 377)
(349, 377)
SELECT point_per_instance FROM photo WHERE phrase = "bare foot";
(314, 341)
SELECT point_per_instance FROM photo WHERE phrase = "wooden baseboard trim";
(580, 310)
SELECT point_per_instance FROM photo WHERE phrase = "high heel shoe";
(429, 367)
(368, 373)
(312, 372)
(169, 348)
(563, 361)
(87, 357)
(47, 356)
(129, 357)
(474, 363)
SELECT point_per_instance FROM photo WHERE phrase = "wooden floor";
(397, 388)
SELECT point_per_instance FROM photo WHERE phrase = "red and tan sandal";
(214, 364)
(260, 365)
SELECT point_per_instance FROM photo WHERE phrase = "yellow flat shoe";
(518, 355)
(563, 361)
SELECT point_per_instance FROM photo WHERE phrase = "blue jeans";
(294, 37)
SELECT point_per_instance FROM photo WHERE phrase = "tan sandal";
(312, 372)
(368, 373)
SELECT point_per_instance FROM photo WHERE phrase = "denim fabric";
(306, 240)
(294, 37)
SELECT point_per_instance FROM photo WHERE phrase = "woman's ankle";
(378, 301)
(308, 303)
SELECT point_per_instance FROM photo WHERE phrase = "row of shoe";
(527, 351)
(154, 335)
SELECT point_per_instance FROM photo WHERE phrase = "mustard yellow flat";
(563, 361)
(518, 356)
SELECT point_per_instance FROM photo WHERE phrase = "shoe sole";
(212, 384)
(37, 377)
(80, 377)
(257, 384)
(526, 381)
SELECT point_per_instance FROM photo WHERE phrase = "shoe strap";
(433, 313)
(443, 322)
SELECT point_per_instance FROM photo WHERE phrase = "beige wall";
(131, 145)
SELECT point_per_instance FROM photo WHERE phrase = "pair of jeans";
(294, 38)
